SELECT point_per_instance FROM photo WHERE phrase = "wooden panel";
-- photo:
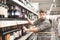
(0, 37)
(7, 37)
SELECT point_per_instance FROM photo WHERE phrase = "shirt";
(42, 24)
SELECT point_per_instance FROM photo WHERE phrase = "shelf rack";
(21, 4)
(5, 23)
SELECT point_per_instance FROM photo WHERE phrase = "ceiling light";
(54, 1)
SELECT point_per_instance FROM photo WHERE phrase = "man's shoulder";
(46, 20)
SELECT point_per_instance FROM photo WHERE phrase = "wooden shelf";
(9, 31)
(6, 23)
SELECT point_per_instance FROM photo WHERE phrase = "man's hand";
(24, 28)
(26, 16)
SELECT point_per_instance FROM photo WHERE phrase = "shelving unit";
(11, 25)
(3, 24)
(11, 22)
(21, 4)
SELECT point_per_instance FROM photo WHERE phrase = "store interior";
(13, 15)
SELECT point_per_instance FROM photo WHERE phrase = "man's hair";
(42, 11)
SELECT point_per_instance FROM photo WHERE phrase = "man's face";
(42, 15)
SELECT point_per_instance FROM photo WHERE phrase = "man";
(41, 25)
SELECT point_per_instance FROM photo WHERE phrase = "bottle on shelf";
(20, 30)
(3, 3)
(1, 16)
(20, 33)
(16, 35)
(24, 14)
(15, 12)
(23, 31)
(31, 16)
(10, 12)
(0, 1)
(27, 13)
(3, 12)
(11, 36)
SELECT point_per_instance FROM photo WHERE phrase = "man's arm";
(29, 21)
(34, 23)
(44, 26)
(41, 27)
(31, 29)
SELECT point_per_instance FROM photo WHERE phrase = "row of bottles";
(4, 8)
(14, 35)
(32, 16)
(16, 12)
(3, 12)
(18, 34)
(3, 1)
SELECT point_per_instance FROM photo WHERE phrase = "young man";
(41, 25)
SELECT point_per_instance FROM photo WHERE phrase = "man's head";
(42, 14)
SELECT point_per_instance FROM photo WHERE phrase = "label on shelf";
(12, 37)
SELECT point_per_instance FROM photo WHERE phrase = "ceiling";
(45, 4)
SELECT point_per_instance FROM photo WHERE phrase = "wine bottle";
(1, 16)
(11, 12)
